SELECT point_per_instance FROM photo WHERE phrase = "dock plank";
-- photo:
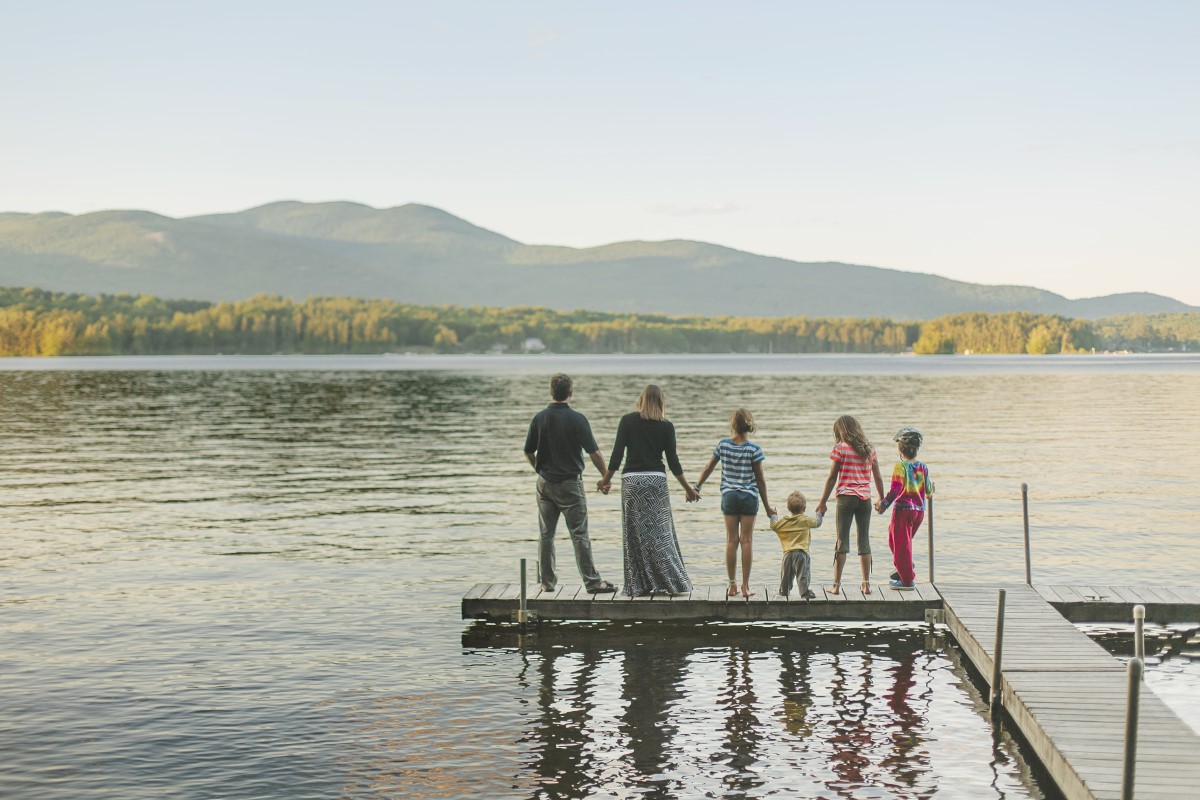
(1168, 595)
(927, 592)
(1047, 593)
(476, 591)
(1067, 594)
(1189, 594)
(493, 591)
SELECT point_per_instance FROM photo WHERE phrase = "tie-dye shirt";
(910, 481)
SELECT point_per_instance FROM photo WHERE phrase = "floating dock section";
(1067, 696)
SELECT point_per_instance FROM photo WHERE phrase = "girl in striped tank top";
(854, 467)
(742, 484)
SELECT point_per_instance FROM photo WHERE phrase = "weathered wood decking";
(1077, 603)
(1063, 691)
(499, 601)
(1066, 694)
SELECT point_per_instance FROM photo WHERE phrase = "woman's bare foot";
(733, 590)
(866, 587)
(835, 589)
(746, 592)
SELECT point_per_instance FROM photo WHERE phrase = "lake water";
(239, 577)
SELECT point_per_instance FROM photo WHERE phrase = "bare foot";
(866, 587)
(835, 589)
(733, 590)
(747, 593)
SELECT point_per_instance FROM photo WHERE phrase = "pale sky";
(1050, 144)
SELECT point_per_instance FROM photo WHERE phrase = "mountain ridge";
(422, 254)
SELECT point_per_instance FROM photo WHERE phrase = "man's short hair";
(560, 387)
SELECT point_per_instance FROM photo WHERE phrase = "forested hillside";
(35, 322)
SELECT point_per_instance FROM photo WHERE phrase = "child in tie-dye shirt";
(910, 485)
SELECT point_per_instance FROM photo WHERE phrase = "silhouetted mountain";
(420, 254)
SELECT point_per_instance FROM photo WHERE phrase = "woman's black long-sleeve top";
(645, 440)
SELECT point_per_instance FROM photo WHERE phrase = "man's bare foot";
(835, 589)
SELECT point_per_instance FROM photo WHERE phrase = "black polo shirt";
(559, 435)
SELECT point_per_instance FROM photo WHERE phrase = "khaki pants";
(565, 499)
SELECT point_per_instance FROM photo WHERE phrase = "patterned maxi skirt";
(653, 562)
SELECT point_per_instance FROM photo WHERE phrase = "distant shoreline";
(617, 364)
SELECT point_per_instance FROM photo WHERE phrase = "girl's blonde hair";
(652, 404)
(742, 421)
(846, 429)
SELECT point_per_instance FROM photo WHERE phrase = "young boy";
(794, 533)
(910, 485)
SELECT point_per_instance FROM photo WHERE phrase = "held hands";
(603, 486)
(820, 509)
(771, 511)
(692, 494)
(879, 506)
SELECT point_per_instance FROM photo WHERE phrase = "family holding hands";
(559, 436)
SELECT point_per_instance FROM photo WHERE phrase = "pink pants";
(904, 526)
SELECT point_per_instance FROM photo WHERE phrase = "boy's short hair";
(796, 502)
(560, 387)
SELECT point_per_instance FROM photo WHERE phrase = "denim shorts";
(737, 503)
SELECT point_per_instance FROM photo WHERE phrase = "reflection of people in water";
(851, 737)
(866, 726)
(742, 729)
(653, 684)
(564, 729)
(796, 693)
(907, 763)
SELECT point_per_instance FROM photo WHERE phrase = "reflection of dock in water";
(669, 711)
(1063, 691)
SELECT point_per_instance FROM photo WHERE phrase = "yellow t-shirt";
(795, 530)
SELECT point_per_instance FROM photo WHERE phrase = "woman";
(653, 563)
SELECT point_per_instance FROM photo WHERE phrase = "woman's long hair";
(652, 404)
(847, 430)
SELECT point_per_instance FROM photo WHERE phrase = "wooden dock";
(1063, 691)
(1066, 694)
(498, 602)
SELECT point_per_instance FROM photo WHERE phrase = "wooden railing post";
(1133, 683)
(930, 502)
(1139, 634)
(1025, 513)
(998, 652)
(523, 612)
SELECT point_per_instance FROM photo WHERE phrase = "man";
(557, 437)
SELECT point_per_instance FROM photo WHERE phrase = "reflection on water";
(743, 711)
(246, 584)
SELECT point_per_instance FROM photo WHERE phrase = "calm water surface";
(240, 577)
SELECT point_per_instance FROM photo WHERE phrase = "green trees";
(34, 322)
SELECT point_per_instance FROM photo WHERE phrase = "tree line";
(35, 322)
